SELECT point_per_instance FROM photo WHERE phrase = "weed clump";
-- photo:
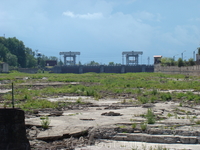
(166, 96)
(143, 126)
(150, 117)
(45, 122)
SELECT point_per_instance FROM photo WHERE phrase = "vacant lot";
(119, 107)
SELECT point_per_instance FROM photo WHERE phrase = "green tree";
(166, 61)
(17, 48)
(180, 62)
(111, 64)
(93, 63)
(191, 62)
(53, 58)
(41, 61)
(60, 63)
(31, 61)
(12, 59)
(3, 52)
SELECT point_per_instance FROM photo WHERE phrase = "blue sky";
(102, 29)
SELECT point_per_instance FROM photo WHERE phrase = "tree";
(180, 62)
(60, 63)
(17, 48)
(41, 61)
(31, 61)
(53, 58)
(3, 52)
(111, 64)
(12, 59)
(166, 61)
(191, 62)
(93, 63)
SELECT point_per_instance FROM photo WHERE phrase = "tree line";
(16, 54)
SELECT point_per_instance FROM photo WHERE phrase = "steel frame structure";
(69, 55)
(134, 55)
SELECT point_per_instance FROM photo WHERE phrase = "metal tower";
(134, 55)
(70, 55)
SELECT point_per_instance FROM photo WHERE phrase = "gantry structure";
(70, 55)
(131, 54)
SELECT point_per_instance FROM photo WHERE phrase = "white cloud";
(83, 16)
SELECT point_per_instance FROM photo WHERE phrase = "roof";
(157, 56)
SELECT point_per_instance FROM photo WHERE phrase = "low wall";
(12, 130)
(28, 70)
(102, 69)
(186, 70)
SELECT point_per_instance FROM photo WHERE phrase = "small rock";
(111, 113)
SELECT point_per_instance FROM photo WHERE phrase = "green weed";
(150, 117)
(45, 122)
(143, 126)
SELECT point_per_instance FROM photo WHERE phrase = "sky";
(102, 29)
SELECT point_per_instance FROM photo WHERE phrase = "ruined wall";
(187, 70)
(12, 130)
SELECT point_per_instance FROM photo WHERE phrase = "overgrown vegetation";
(166, 61)
(16, 54)
(144, 87)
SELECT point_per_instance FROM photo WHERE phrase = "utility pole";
(174, 56)
(148, 60)
(182, 54)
